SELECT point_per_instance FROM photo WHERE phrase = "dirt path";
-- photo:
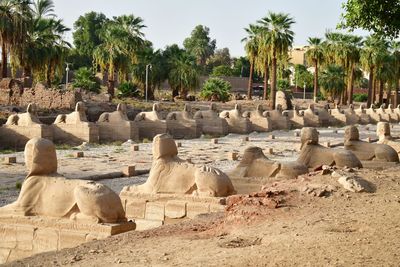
(359, 229)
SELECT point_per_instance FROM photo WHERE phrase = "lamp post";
(304, 92)
(66, 76)
(148, 66)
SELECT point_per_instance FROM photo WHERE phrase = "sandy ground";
(339, 229)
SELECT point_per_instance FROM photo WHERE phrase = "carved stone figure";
(362, 114)
(151, 123)
(383, 133)
(210, 121)
(182, 125)
(367, 151)
(46, 193)
(74, 128)
(392, 113)
(346, 117)
(279, 118)
(115, 126)
(384, 115)
(314, 155)
(170, 174)
(374, 115)
(236, 122)
(259, 122)
(255, 164)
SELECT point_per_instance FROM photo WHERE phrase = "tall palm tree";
(385, 74)
(252, 49)
(280, 39)
(396, 64)
(263, 60)
(314, 56)
(332, 81)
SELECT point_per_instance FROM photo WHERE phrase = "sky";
(171, 21)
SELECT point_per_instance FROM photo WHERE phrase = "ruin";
(115, 126)
(366, 151)
(279, 119)
(383, 133)
(362, 114)
(53, 212)
(236, 122)
(259, 121)
(395, 117)
(373, 114)
(151, 123)
(314, 155)
(384, 116)
(345, 117)
(210, 122)
(19, 128)
(305, 118)
(182, 125)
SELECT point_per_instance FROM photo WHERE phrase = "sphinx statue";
(20, 128)
(255, 164)
(346, 117)
(151, 123)
(383, 133)
(259, 121)
(325, 117)
(279, 118)
(236, 122)
(384, 115)
(210, 122)
(364, 118)
(171, 175)
(74, 128)
(374, 115)
(305, 118)
(366, 151)
(115, 126)
(182, 125)
(314, 155)
(395, 117)
(46, 193)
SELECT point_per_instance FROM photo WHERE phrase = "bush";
(283, 84)
(360, 97)
(216, 89)
(128, 89)
(85, 79)
(222, 71)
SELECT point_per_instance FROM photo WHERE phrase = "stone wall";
(21, 237)
(13, 93)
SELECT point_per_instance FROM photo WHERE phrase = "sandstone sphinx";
(364, 118)
(374, 115)
(46, 193)
(313, 155)
(279, 118)
(236, 122)
(255, 164)
(346, 117)
(151, 123)
(308, 117)
(325, 117)
(171, 175)
(74, 128)
(366, 151)
(393, 113)
(182, 125)
(19, 128)
(383, 133)
(210, 122)
(259, 121)
(115, 126)
(384, 115)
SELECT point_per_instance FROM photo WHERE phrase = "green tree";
(221, 57)
(222, 71)
(252, 49)
(314, 56)
(84, 78)
(216, 89)
(303, 76)
(279, 38)
(379, 16)
(332, 81)
(200, 45)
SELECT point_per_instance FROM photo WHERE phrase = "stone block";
(142, 225)
(79, 154)
(246, 139)
(25, 238)
(10, 160)
(178, 144)
(70, 239)
(4, 255)
(129, 171)
(175, 209)
(328, 144)
(8, 236)
(233, 156)
(272, 137)
(217, 208)
(270, 151)
(135, 147)
(45, 240)
(296, 134)
(136, 209)
(155, 211)
(17, 254)
(214, 141)
(195, 208)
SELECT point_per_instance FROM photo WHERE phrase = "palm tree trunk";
(48, 76)
(4, 60)
(396, 93)
(350, 85)
(370, 85)
(111, 84)
(315, 81)
(374, 90)
(266, 78)
(250, 85)
(381, 84)
(273, 82)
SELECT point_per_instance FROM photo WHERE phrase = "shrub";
(283, 84)
(221, 71)
(360, 97)
(128, 89)
(85, 79)
(216, 88)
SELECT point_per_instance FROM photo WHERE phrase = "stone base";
(21, 236)
(153, 210)
(378, 165)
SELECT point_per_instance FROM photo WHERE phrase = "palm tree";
(396, 64)
(315, 55)
(263, 61)
(280, 39)
(252, 48)
(385, 74)
(332, 81)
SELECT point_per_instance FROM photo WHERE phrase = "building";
(297, 55)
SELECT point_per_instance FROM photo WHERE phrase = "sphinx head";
(259, 108)
(309, 135)
(383, 129)
(40, 157)
(121, 107)
(252, 153)
(80, 107)
(351, 133)
(156, 107)
(213, 107)
(164, 146)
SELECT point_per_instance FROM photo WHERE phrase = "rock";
(355, 184)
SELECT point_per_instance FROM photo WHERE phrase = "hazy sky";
(171, 21)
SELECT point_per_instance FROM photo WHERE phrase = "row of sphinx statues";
(46, 193)
(74, 128)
